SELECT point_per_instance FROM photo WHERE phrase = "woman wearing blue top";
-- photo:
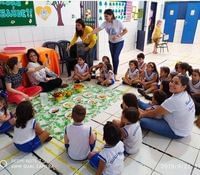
(115, 30)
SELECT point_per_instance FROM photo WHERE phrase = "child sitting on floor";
(158, 98)
(149, 77)
(132, 74)
(107, 77)
(141, 63)
(81, 71)
(6, 121)
(183, 68)
(99, 66)
(128, 100)
(164, 72)
(111, 159)
(28, 135)
(131, 130)
(79, 139)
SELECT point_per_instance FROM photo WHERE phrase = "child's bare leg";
(86, 77)
(127, 81)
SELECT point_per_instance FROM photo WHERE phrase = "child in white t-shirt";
(132, 74)
(79, 139)
(81, 70)
(109, 161)
(107, 77)
(131, 130)
(28, 135)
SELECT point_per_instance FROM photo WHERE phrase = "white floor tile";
(156, 173)
(103, 116)
(45, 171)
(156, 141)
(182, 151)
(132, 167)
(86, 170)
(4, 172)
(45, 151)
(196, 171)
(172, 166)
(5, 141)
(113, 108)
(192, 140)
(196, 129)
(65, 165)
(147, 156)
(29, 164)
(197, 163)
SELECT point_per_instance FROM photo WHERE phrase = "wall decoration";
(122, 9)
(43, 12)
(58, 5)
(17, 13)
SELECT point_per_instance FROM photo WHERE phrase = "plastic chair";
(67, 57)
(164, 43)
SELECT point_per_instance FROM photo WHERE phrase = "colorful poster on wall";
(17, 13)
(122, 9)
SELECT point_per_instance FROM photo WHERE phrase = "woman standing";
(16, 92)
(115, 30)
(45, 78)
(89, 42)
(178, 112)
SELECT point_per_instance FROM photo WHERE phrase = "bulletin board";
(17, 13)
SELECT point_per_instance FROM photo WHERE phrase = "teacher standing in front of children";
(116, 31)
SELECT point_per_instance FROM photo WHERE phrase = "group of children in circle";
(122, 137)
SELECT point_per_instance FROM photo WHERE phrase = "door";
(170, 16)
(152, 20)
(192, 15)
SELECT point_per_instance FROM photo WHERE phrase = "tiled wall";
(33, 36)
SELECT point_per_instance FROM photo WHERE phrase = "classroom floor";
(158, 155)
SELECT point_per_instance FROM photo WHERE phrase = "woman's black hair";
(110, 12)
(184, 82)
(11, 63)
(5, 104)
(111, 134)
(134, 62)
(185, 66)
(165, 85)
(130, 100)
(24, 112)
(159, 96)
(35, 52)
(80, 32)
(131, 114)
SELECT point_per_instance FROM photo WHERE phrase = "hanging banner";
(17, 13)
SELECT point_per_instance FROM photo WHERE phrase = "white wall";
(46, 30)
(34, 36)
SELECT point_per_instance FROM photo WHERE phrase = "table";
(52, 55)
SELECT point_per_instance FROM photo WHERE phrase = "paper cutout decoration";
(43, 12)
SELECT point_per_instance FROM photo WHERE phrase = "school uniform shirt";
(181, 113)
(114, 159)
(194, 88)
(16, 79)
(133, 137)
(113, 28)
(78, 135)
(148, 77)
(3, 113)
(109, 75)
(24, 135)
(82, 69)
(133, 74)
